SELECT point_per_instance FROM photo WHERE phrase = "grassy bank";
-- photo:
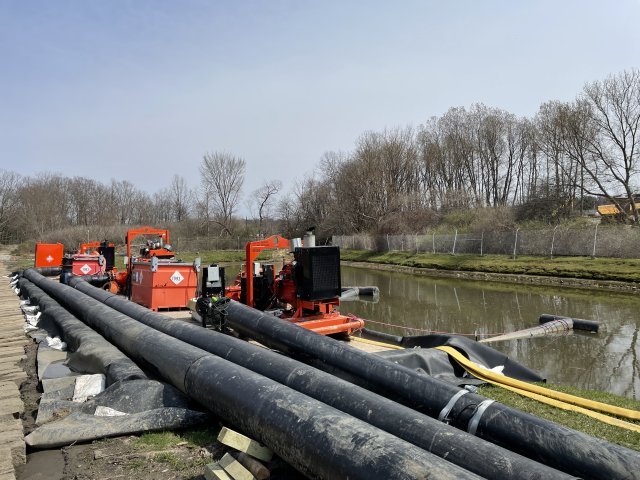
(613, 269)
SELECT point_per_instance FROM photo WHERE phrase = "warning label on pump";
(49, 259)
(85, 269)
(176, 277)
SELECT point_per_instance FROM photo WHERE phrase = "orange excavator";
(305, 291)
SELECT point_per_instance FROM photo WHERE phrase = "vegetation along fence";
(595, 241)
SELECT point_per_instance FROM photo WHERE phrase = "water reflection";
(608, 360)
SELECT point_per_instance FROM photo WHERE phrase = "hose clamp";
(444, 414)
(475, 420)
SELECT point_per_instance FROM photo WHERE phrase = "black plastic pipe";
(44, 271)
(578, 323)
(319, 440)
(102, 355)
(565, 449)
(97, 280)
(469, 452)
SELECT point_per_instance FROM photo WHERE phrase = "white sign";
(176, 277)
(85, 269)
(49, 259)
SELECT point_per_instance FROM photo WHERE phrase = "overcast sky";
(140, 90)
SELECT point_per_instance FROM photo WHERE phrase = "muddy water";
(415, 305)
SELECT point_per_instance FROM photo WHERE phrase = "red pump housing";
(321, 316)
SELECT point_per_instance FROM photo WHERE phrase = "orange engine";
(305, 292)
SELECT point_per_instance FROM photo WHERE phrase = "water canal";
(416, 305)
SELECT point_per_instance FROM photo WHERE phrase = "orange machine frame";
(252, 250)
(131, 234)
(326, 321)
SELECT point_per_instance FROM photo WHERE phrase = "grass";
(569, 419)
(198, 437)
(190, 439)
(615, 269)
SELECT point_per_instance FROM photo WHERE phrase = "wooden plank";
(11, 406)
(13, 376)
(234, 468)
(11, 352)
(6, 392)
(213, 471)
(256, 468)
(13, 359)
(244, 444)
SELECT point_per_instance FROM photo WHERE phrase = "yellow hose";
(545, 395)
(378, 344)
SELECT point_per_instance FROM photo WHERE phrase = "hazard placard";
(177, 277)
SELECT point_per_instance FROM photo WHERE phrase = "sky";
(141, 90)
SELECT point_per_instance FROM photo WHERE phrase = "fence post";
(455, 239)
(388, 246)
(416, 239)
(595, 239)
(238, 243)
(515, 244)
(481, 242)
(433, 241)
(553, 239)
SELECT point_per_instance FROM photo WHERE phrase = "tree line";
(567, 158)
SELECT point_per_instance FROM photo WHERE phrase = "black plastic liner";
(476, 352)
(458, 447)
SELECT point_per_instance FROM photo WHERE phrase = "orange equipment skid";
(86, 264)
(172, 285)
(49, 254)
(329, 324)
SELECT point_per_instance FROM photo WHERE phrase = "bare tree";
(180, 198)
(263, 198)
(614, 146)
(162, 206)
(10, 183)
(224, 174)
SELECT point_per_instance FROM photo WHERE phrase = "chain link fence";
(618, 241)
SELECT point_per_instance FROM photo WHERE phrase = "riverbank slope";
(616, 274)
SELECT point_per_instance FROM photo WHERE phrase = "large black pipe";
(457, 447)
(565, 449)
(319, 440)
(96, 353)
(44, 271)
(578, 323)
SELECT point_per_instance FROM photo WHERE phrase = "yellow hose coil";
(545, 395)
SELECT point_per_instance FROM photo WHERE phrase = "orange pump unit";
(93, 258)
(96, 259)
(155, 278)
(305, 292)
